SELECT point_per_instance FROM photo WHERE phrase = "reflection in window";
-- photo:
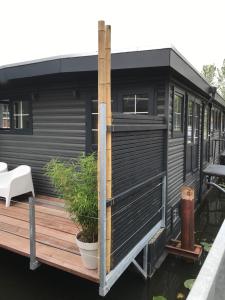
(190, 122)
(178, 113)
(135, 104)
(206, 125)
(4, 114)
(197, 123)
(21, 114)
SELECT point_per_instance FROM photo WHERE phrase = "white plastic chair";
(3, 167)
(15, 183)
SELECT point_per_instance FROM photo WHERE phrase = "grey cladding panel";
(58, 132)
(137, 157)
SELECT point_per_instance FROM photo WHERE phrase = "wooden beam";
(108, 144)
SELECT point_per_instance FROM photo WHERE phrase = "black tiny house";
(165, 117)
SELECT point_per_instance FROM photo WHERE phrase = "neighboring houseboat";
(165, 117)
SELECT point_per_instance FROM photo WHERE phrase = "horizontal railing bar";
(133, 188)
(135, 127)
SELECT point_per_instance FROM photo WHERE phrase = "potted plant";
(76, 182)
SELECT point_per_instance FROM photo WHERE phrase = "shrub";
(76, 182)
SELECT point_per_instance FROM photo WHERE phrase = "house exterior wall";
(138, 168)
(177, 175)
(58, 132)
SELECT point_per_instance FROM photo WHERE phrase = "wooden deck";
(55, 234)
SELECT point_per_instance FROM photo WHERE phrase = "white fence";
(210, 283)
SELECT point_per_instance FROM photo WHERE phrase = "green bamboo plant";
(76, 182)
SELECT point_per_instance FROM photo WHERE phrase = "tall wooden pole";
(108, 143)
(101, 100)
(104, 97)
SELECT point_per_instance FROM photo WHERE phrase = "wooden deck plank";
(39, 229)
(54, 222)
(55, 236)
(50, 199)
(14, 243)
(57, 258)
(22, 230)
(65, 261)
(50, 210)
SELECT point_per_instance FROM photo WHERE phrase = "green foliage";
(206, 246)
(221, 79)
(209, 72)
(158, 298)
(189, 283)
(76, 182)
(215, 76)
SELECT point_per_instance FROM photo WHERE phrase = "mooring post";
(187, 218)
(34, 264)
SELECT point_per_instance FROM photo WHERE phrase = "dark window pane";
(4, 115)
(196, 136)
(190, 122)
(94, 108)
(94, 121)
(142, 104)
(188, 158)
(135, 104)
(206, 125)
(94, 138)
(129, 104)
(21, 115)
(178, 113)
(196, 120)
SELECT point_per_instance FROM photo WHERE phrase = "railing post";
(34, 264)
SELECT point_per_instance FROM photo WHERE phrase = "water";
(17, 282)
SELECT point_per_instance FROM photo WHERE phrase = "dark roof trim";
(167, 57)
(183, 67)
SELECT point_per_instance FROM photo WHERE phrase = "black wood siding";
(58, 132)
(138, 154)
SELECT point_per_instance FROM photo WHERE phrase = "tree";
(209, 73)
(215, 76)
(221, 79)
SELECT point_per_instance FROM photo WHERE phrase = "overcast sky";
(33, 29)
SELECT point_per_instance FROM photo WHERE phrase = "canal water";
(18, 283)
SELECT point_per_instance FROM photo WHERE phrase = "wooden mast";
(108, 144)
(104, 96)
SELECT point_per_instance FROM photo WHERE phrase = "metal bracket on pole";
(34, 263)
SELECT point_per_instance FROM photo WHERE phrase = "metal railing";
(108, 280)
(34, 264)
(209, 284)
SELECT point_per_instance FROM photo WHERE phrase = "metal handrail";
(34, 263)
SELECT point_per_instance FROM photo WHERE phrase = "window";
(4, 114)
(190, 122)
(178, 112)
(15, 116)
(135, 104)
(206, 124)
(21, 114)
(192, 134)
(206, 135)
(196, 136)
